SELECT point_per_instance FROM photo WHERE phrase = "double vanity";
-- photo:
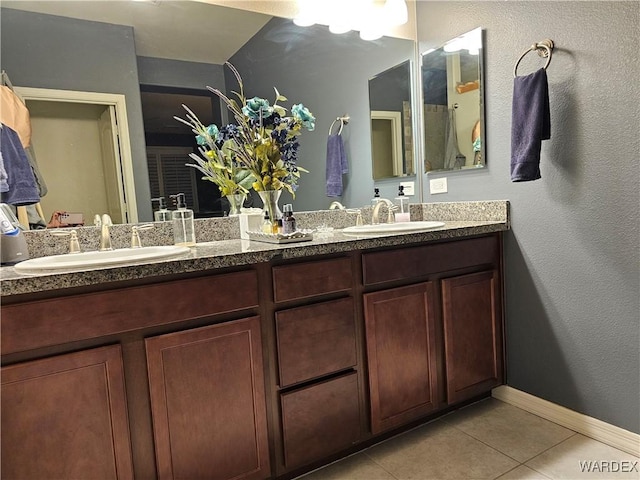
(241, 359)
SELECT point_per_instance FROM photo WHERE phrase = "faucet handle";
(74, 244)
(135, 237)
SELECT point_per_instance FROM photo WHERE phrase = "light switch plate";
(409, 188)
(438, 185)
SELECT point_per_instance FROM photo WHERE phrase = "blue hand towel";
(336, 165)
(530, 124)
(23, 189)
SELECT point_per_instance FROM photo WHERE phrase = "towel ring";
(544, 49)
(344, 120)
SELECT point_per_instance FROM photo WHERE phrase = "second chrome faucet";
(375, 216)
(103, 223)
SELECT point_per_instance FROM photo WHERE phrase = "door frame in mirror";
(124, 170)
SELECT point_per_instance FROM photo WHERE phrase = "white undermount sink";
(399, 227)
(121, 256)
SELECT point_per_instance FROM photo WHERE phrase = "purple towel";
(336, 165)
(23, 189)
(530, 124)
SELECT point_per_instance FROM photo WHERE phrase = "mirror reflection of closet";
(391, 123)
(453, 104)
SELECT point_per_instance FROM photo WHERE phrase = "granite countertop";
(218, 254)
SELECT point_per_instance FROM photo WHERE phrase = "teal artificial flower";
(211, 134)
(302, 113)
(256, 108)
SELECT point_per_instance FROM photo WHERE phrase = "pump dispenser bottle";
(183, 227)
(162, 214)
(376, 197)
(403, 215)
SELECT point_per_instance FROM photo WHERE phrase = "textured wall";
(46, 51)
(572, 258)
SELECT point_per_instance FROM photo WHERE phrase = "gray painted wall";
(329, 74)
(572, 257)
(179, 74)
(46, 51)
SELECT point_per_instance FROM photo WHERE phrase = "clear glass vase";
(270, 200)
(236, 201)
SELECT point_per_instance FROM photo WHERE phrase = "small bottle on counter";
(162, 214)
(266, 224)
(403, 215)
(288, 221)
(183, 227)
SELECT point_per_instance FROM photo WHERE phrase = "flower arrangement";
(260, 149)
(216, 160)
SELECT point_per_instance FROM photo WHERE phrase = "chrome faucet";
(375, 216)
(335, 204)
(105, 236)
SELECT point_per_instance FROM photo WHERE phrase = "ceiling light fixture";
(371, 17)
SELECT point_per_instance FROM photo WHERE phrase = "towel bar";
(344, 120)
(544, 49)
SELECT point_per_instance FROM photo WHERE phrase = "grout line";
(374, 461)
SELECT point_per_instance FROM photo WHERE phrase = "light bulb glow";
(396, 12)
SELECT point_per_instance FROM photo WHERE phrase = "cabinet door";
(66, 417)
(208, 402)
(401, 350)
(473, 334)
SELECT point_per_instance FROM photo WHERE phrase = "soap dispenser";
(162, 214)
(376, 197)
(403, 215)
(183, 227)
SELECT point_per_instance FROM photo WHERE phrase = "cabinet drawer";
(319, 420)
(308, 279)
(415, 262)
(315, 340)
(59, 320)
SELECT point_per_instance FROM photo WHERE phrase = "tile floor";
(486, 440)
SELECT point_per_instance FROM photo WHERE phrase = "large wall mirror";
(453, 105)
(391, 123)
(125, 47)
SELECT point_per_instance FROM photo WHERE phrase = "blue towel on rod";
(530, 124)
(336, 165)
(23, 189)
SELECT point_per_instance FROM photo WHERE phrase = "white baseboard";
(588, 426)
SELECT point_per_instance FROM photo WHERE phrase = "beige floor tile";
(563, 461)
(523, 473)
(438, 451)
(356, 467)
(510, 430)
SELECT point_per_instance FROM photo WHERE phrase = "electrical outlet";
(438, 185)
(409, 188)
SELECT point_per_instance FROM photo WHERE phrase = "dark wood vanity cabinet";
(318, 382)
(193, 373)
(472, 334)
(208, 402)
(66, 417)
(436, 339)
(254, 373)
(401, 353)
